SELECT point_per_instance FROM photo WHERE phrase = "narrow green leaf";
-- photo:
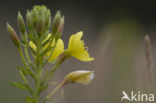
(25, 72)
(32, 66)
(46, 50)
(47, 41)
(23, 77)
(18, 85)
(32, 50)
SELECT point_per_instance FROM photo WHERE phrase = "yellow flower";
(77, 49)
(57, 51)
(80, 76)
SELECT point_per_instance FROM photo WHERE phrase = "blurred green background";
(114, 32)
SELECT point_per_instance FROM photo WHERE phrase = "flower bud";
(61, 26)
(40, 26)
(56, 22)
(29, 21)
(21, 23)
(80, 76)
(13, 35)
(39, 20)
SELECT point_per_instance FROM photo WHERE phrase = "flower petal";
(58, 50)
(77, 49)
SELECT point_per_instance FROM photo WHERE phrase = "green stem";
(39, 71)
(25, 49)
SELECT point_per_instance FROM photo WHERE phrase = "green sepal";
(18, 85)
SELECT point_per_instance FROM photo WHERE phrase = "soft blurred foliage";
(114, 32)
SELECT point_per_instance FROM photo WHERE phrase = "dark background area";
(101, 11)
(114, 32)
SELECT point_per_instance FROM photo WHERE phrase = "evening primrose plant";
(40, 44)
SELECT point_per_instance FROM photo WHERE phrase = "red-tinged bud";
(21, 23)
(56, 22)
(40, 26)
(13, 35)
(38, 21)
(61, 26)
(29, 21)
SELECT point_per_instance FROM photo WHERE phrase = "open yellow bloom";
(77, 49)
(57, 51)
(80, 76)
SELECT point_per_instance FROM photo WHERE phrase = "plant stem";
(39, 71)
(25, 49)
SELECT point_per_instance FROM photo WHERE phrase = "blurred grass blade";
(149, 58)
(62, 93)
